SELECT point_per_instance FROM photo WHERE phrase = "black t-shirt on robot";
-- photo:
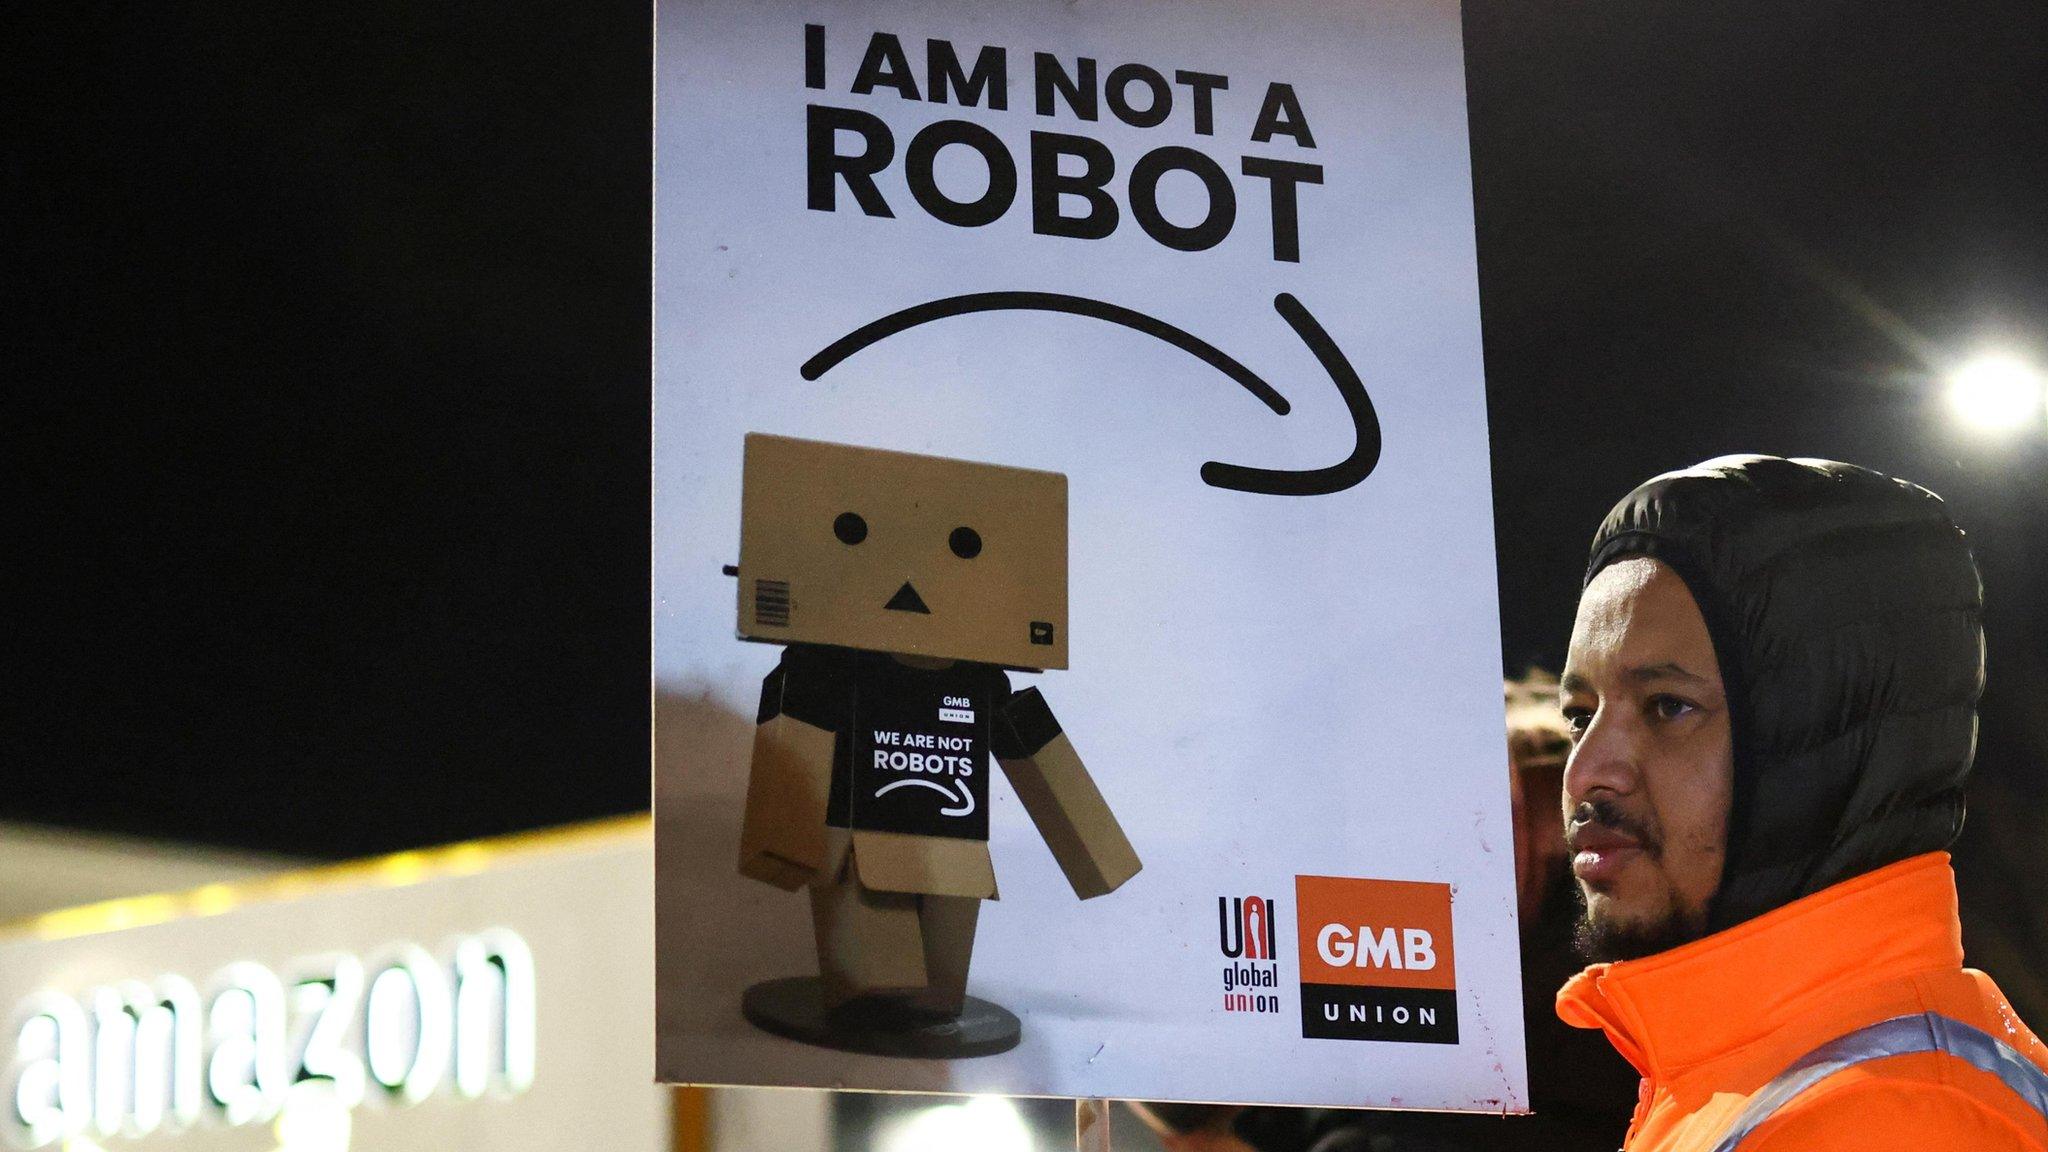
(913, 744)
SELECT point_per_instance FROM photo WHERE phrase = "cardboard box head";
(895, 552)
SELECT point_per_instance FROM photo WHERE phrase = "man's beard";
(1601, 941)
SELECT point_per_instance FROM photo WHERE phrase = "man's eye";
(1578, 719)
(1671, 707)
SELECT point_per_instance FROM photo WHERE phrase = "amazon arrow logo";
(1365, 452)
(965, 798)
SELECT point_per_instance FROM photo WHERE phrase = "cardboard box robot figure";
(903, 586)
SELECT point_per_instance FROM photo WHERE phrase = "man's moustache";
(1606, 814)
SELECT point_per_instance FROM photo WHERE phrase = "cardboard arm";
(782, 836)
(1062, 798)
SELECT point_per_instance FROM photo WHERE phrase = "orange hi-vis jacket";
(1710, 1023)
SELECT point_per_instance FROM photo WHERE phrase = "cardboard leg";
(892, 979)
(868, 942)
(948, 926)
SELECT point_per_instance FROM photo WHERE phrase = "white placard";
(1213, 261)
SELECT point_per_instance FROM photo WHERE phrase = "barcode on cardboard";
(771, 603)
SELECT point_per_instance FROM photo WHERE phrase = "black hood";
(1847, 615)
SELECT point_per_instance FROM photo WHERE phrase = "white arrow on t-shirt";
(966, 796)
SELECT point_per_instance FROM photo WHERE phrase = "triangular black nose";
(906, 599)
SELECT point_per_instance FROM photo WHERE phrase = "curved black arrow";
(1365, 454)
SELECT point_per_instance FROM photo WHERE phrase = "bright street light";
(1997, 393)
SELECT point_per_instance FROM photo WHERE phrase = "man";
(1772, 687)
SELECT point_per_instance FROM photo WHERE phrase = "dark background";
(326, 376)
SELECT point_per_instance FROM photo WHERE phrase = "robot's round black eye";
(850, 528)
(966, 543)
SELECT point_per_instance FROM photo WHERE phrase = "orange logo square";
(1376, 960)
(1374, 933)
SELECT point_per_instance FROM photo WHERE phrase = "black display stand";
(794, 1007)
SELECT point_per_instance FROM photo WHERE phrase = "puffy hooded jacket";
(1845, 612)
(1847, 615)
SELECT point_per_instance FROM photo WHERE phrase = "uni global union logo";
(1247, 936)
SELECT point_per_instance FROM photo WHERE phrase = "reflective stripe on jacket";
(1898, 1036)
(1711, 1023)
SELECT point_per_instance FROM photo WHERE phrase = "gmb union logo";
(1376, 960)
(1246, 934)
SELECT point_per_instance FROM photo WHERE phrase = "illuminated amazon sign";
(135, 1058)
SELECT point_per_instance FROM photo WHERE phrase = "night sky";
(327, 376)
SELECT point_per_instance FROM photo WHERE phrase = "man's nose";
(1604, 760)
